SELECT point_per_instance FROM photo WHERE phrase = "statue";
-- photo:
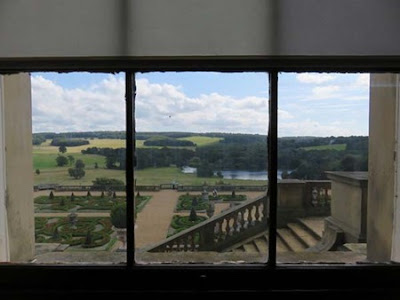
(204, 195)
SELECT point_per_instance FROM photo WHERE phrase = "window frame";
(27, 279)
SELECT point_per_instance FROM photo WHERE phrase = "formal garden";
(201, 202)
(88, 203)
(180, 223)
(78, 233)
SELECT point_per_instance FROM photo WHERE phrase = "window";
(257, 277)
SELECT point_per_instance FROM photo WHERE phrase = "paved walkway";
(154, 220)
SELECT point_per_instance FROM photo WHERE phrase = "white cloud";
(325, 92)
(159, 107)
(284, 115)
(58, 109)
(317, 78)
(171, 110)
(362, 80)
(315, 128)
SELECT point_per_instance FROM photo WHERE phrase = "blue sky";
(309, 103)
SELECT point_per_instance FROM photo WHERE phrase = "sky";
(309, 104)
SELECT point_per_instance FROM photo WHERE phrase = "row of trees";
(300, 163)
(77, 172)
(164, 141)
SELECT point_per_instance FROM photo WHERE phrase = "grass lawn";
(99, 143)
(151, 176)
(339, 147)
(202, 140)
(44, 159)
(48, 160)
(60, 176)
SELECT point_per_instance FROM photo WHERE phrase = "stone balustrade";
(232, 226)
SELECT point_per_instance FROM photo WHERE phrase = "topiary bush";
(118, 215)
(180, 223)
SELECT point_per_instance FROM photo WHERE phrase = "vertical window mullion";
(130, 93)
(273, 164)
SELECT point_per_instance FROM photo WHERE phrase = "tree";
(71, 159)
(62, 149)
(96, 166)
(105, 183)
(193, 215)
(205, 170)
(88, 238)
(118, 215)
(37, 171)
(348, 163)
(51, 196)
(76, 173)
(61, 161)
(79, 164)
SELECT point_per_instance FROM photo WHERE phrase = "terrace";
(237, 232)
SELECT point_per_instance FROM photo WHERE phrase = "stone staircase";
(296, 237)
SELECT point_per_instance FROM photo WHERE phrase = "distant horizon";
(191, 132)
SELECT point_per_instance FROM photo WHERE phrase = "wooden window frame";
(270, 279)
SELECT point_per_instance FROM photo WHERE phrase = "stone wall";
(381, 166)
(19, 171)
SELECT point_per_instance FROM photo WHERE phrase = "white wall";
(396, 207)
(4, 250)
(195, 28)
(19, 169)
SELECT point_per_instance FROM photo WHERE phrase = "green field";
(197, 139)
(339, 147)
(44, 159)
(60, 176)
(151, 176)
(202, 140)
(99, 143)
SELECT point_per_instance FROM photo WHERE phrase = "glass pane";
(201, 176)
(78, 125)
(323, 129)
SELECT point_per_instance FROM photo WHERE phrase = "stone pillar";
(17, 120)
(290, 201)
(349, 204)
(4, 247)
(382, 125)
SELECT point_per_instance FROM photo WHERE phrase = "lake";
(237, 174)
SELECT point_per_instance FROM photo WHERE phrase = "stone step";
(290, 240)
(239, 249)
(280, 246)
(261, 244)
(250, 247)
(303, 235)
(315, 225)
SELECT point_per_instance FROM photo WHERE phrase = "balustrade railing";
(221, 188)
(216, 233)
(317, 195)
